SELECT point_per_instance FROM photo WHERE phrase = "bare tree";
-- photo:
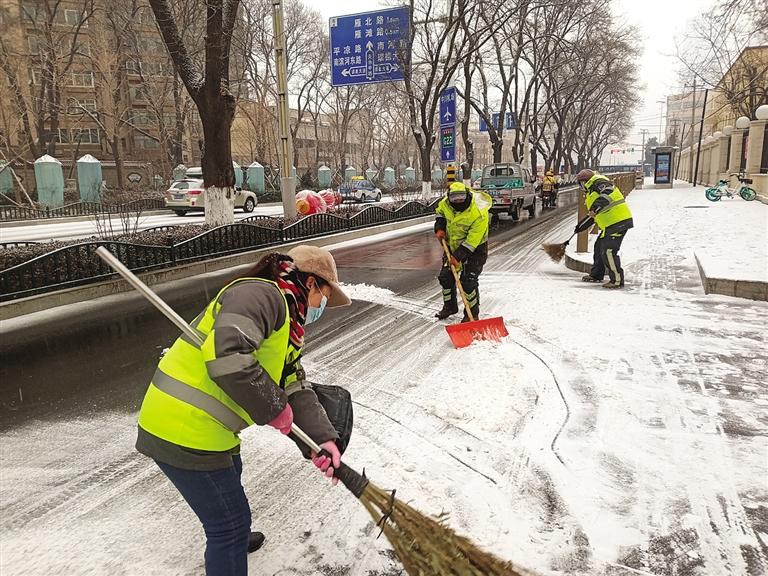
(54, 49)
(210, 90)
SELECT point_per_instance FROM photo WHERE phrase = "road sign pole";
(287, 181)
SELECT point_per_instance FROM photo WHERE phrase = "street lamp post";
(661, 117)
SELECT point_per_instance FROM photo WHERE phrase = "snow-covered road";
(612, 433)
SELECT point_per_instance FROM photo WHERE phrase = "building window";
(34, 44)
(81, 79)
(744, 146)
(32, 12)
(133, 67)
(85, 135)
(76, 106)
(71, 18)
(142, 118)
(76, 45)
(137, 93)
(145, 142)
(62, 137)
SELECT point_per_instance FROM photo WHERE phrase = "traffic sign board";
(448, 107)
(369, 47)
(509, 121)
(448, 143)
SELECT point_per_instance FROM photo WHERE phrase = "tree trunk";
(216, 115)
(118, 158)
(497, 144)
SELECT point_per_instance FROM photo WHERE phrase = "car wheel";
(363, 198)
(249, 205)
(378, 197)
(515, 214)
(180, 212)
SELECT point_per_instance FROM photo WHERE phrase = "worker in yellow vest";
(608, 207)
(247, 372)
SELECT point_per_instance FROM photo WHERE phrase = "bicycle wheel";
(747, 193)
(713, 194)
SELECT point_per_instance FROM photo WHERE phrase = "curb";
(577, 265)
(23, 306)
(749, 289)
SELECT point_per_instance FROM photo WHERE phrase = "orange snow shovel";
(464, 333)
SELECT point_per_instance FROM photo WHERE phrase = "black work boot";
(255, 541)
(590, 278)
(449, 309)
(475, 314)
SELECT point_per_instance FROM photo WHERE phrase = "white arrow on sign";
(370, 70)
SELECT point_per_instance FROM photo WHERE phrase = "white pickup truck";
(511, 187)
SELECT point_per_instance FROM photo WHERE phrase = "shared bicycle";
(715, 193)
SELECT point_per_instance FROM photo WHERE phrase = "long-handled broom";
(557, 251)
(464, 333)
(425, 546)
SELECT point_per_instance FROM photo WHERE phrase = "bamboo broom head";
(425, 546)
(554, 251)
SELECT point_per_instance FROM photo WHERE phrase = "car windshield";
(502, 170)
(363, 184)
(185, 184)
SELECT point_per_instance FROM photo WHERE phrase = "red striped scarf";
(296, 295)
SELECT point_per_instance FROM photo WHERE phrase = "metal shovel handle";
(180, 323)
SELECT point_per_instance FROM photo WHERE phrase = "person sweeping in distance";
(608, 207)
(463, 222)
(246, 372)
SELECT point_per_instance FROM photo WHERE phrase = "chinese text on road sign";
(509, 123)
(448, 107)
(448, 125)
(369, 47)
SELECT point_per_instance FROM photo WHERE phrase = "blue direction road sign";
(509, 122)
(448, 143)
(369, 47)
(448, 107)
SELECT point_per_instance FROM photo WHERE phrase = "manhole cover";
(695, 206)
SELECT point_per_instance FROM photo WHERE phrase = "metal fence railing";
(77, 265)
(13, 213)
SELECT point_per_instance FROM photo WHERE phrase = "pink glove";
(326, 464)
(284, 420)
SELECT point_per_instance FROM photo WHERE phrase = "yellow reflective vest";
(616, 211)
(183, 405)
(469, 227)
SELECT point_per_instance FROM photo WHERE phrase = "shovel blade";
(465, 333)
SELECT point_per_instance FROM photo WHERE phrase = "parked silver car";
(188, 195)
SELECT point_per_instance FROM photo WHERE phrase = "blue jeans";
(218, 499)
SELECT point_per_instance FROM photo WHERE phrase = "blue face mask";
(313, 314)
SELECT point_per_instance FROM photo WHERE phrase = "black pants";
(470, 276)
(606, 257)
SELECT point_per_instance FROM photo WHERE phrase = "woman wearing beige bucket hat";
(248, 371)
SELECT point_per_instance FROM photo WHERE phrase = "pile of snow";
(367, 292)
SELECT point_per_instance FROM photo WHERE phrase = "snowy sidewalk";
(613, 433)
(727, 240)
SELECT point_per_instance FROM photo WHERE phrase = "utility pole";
(701, 132)
(287, 181)
(642, 153)
(693, 123)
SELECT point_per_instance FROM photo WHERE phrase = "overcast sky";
(659, 23)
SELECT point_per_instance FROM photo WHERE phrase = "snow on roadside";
(367, 292)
